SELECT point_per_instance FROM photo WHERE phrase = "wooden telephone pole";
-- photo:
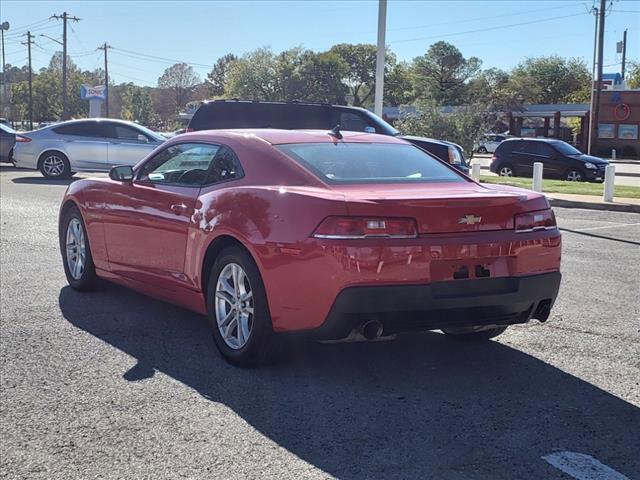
(65, 101)
(28, 43)
(106, 47)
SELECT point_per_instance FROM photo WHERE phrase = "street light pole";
(380, 54)
(4, 26)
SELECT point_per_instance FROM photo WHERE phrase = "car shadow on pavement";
(421, 406)
(44, 181)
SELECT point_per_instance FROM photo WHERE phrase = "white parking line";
(582, 467)
(615, 225)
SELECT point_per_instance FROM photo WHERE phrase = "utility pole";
(65, 101)
(106, 47)
(595, 93)
(380, 54)
(624, 52)
(28, 44)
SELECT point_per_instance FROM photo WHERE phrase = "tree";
(361, 73)
(552, 79)
(179, 79)
(464, 126)
(398, 85)
(494, 89)
(441, 73)
(253, 77)
(137, 105)
(218, 76)
(295, 74)
(632, 76)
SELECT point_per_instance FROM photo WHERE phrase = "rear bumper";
(450, 304)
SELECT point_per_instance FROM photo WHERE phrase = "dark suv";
(516, 156)
(223, 114)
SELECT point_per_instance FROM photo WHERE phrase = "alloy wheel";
(506, 172)
(76, 249)
(574, 176)
(53, 166)
(234, 306)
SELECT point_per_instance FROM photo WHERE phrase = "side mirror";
(121, 173)
(143, 138)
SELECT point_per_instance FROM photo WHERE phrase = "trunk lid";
(438, 207)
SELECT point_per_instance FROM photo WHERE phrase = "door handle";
(178, 208)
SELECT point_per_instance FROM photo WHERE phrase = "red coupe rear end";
(328, 234)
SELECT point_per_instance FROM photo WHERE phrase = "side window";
(540, 148)
(185, 164)
(521, 147)
(124, 133)
(225, 167)
(80, 129)
(353, 123)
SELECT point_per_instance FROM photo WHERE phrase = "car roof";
(96, 119)
(533, 139)
(279, 137)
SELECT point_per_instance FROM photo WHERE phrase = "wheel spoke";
(225, 296)
(225, 321)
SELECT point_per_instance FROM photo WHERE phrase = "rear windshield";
(370, 163)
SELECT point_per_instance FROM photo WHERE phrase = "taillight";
(365, 227)
(22, 139)
(532, 221)
(493, 158)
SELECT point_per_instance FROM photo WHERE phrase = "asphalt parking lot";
(113, 384)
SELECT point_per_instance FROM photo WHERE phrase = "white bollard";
(613, 154)
(537, 177)
(475, 171)
(609, 183)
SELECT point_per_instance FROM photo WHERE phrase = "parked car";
(490, 142)
(314, 232)
(223, 114)
(7, 141)
(515, 157)
(90, 145)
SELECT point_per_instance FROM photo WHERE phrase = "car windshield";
(566, 149)
(370, 163)
(7, 128)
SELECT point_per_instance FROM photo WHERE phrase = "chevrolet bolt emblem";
(470, 219)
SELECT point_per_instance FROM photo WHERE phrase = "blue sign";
(88, 92)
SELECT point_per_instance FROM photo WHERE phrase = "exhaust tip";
(372, 329)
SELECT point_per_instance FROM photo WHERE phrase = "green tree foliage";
(464, 126)
(218, 76)
(552, 79)
(137, 104)
(632, 75)
(398, 85)
(295, 74)
(441, 74)
(47, 91)
(494, 89)
(180, 80)
(361, 73)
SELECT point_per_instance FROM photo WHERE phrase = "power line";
(480, 30)
(170, 60)
(457, 22)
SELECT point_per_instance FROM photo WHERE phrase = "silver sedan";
(89, 145)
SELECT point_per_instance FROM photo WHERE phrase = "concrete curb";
(612, 207)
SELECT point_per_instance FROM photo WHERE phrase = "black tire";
(481, 336)
(88, 279)
(62, 165)
(482, 150)
(259, 349)
(574, 175)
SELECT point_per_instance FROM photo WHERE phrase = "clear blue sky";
(201, 31)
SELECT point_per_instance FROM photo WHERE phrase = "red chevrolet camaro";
(328, 233)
